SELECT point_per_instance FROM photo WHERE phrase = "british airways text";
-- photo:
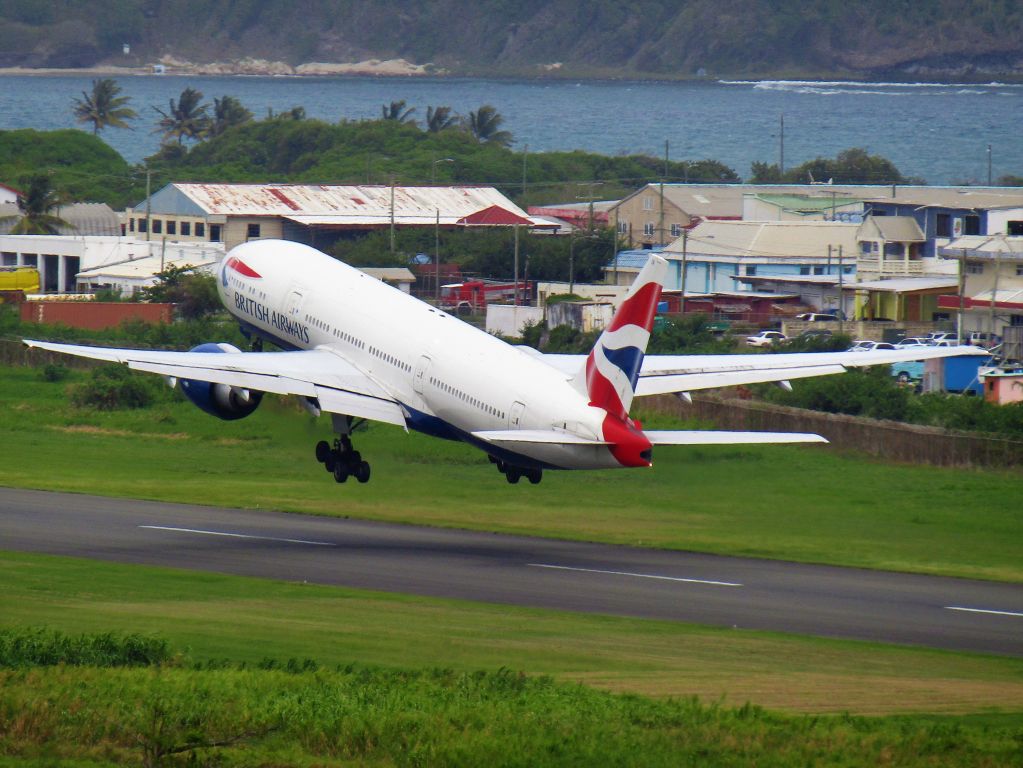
(281, 322)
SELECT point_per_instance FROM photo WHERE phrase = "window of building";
(623, 227)
(971, 225)
(1015, 229)
(818, 270)
(751, 270)
(804, 270)
(172, 227)
(648, 203)
(9, 259)
(200, 229)
(215, 233)
(131, 225)
(974, 268)
(143, 225)
(1019, 270)
(1016, 320)
(252, 231)
(157, 226)
(186, 229)
(943, 225)
(676, 230)
(847, 270)
(30, 259)
(648, 229)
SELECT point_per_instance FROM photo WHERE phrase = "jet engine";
(221, 400)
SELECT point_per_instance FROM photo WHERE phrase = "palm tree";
(103, 107)
(439, 119)
(485, 124)
(396, 111)
(185, 120)
(35, 206)
(227, 113)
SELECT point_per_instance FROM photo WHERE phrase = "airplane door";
(294, 304)
(515, 415)
(420, 374)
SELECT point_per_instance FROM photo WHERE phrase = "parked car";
(765, 339)
(816, 317)
(984, 339)
(912, 341)
(908, 372)
(936, 336)
(870, 346)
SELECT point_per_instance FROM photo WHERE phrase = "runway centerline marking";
(635, 575)
(983, 610)
(237, 535)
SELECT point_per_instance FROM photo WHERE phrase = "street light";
(433, 168)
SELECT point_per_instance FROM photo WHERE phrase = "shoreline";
(400, 68)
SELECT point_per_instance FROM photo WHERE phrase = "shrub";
(54, 372)
(113, 387)
(43, 647)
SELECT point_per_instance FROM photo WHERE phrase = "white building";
(60, 258)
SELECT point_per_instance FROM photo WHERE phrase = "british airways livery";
(358, 349)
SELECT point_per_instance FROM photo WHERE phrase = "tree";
(35, 208)
(185, 120)
(396, 111)
(104, 107)
(227, 112)
(485, 125)
(194, 294)
(439, 119)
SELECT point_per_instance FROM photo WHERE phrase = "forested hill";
(915, 39)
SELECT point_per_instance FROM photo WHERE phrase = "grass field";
(211, 616)
(809, 504)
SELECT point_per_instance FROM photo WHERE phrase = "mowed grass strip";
(211, 617)
(798, 503)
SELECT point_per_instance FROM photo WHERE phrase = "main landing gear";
(341, 459)
(513, 474)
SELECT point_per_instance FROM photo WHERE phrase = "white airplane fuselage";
(450, 378)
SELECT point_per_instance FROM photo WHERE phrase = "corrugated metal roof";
(985, 247)
(896, 229)
(85, 219)
(905, 285)
(369, 201)
(146, 267)
(767, 239)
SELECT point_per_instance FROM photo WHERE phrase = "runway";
(745, 593)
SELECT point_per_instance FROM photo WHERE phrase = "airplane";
(360, 350)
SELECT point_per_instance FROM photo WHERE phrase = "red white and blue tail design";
(612, 368)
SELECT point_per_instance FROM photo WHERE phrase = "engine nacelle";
(220, 400)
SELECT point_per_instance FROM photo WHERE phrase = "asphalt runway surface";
(745, 593)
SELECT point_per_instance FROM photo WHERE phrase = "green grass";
(807, 504)
(211, 617)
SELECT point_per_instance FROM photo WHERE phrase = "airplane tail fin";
(612, 367)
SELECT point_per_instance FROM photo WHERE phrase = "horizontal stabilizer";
(694, 437)
(548, 436)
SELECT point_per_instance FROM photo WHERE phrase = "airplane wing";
(337, 385)
(663, 374)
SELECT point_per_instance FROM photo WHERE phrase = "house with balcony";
(992, 279)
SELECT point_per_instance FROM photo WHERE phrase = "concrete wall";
(508, 320)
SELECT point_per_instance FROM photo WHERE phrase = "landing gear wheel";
(340, 472)
(534, 476)
(322, 451)
(362, 472)
(513, 474)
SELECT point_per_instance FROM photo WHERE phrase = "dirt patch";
(89, 429)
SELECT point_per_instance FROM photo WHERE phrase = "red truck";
(474, 295)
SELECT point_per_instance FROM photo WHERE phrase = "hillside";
(652, 38)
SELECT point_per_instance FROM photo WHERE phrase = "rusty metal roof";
(369, 204)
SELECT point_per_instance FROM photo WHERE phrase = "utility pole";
(660, 226)
(516, 268)
(962, 296)
(841, 295)
(149, 204)
(781, 146)
(685, 250)
(392, 214)
(436, 259)
(525, 154)
(989, 165)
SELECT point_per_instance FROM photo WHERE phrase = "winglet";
(612, 367)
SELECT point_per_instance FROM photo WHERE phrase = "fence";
(893, 440)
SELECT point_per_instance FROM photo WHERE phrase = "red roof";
(495, 215)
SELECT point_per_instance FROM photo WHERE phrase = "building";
(8, 195)
(577, 215)
(97, 219)
(60, 258)
(767, 206)
(317, 215)
(992, 278)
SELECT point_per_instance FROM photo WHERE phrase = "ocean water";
(936, 132)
